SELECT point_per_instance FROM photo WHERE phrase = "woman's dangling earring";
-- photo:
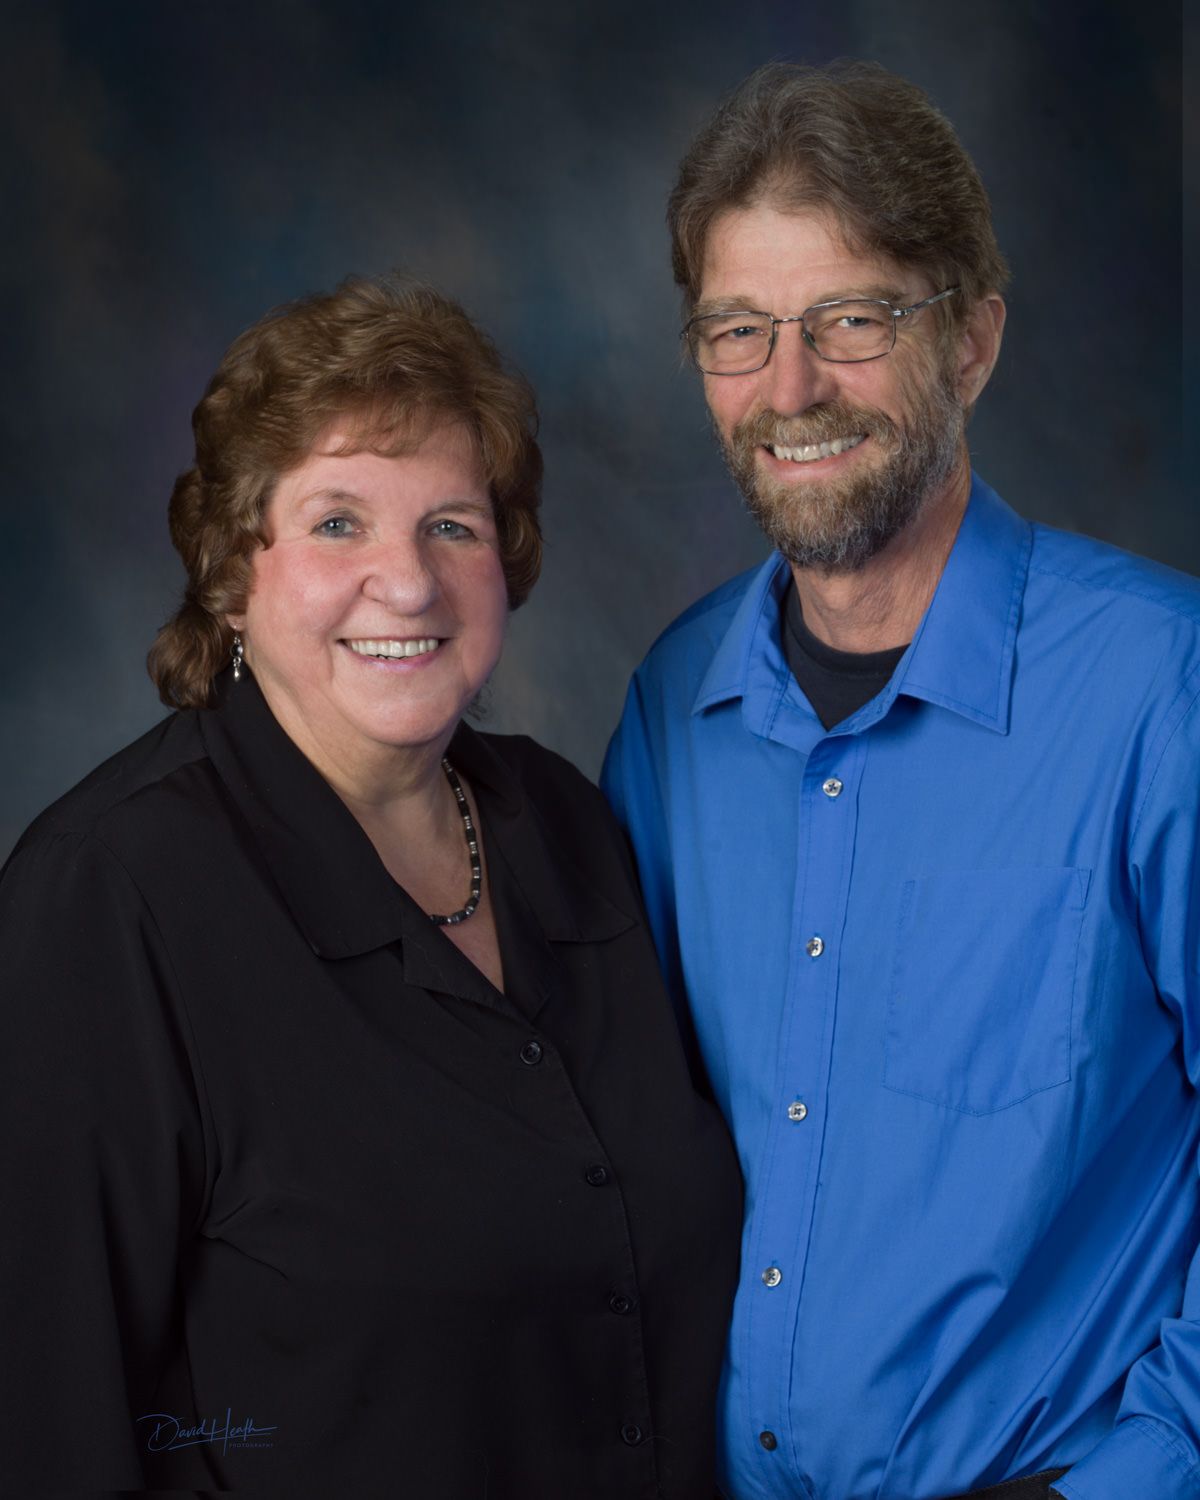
(237, 654)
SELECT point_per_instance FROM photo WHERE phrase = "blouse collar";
(339, 893)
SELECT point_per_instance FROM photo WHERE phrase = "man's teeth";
(809, 451)
(393, 648)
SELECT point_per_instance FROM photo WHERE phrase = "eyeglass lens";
(728, 343)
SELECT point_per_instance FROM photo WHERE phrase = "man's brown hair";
(858, 142)
(394, 359)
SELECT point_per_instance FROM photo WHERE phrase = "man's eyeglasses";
(846, 332)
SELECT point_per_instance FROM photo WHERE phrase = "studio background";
(177, 169)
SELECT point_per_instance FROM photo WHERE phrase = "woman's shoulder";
(577, 826)
(130, 797)
(547, 779)
(557, 827)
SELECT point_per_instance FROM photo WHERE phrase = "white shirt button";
(814, 947)
(772, 1276)
(797, 1109)
(832, 787)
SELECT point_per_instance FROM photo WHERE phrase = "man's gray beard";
(838, 525)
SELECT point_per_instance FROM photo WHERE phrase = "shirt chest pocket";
(979, 1009)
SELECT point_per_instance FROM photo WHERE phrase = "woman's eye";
(450, 529)
(335, 526)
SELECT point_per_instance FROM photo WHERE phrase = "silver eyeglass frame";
(896, 312)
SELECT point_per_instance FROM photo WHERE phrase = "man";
(915, 810)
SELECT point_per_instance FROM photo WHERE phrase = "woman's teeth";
(807, 452)
(393, 648)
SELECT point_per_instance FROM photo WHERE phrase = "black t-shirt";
(271, 1146)
(836, 683)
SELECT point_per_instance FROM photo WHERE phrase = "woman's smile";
(394, 650)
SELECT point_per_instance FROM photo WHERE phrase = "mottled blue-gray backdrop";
(176, 169)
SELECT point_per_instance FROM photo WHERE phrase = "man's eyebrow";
(874, 291)
(725, 304)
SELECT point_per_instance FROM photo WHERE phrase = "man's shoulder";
(690, 639)
(1137, 588)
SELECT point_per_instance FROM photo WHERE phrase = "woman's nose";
(399, 575)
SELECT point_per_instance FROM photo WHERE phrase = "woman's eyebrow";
(331, 493)
(464, 506)
(466, 502)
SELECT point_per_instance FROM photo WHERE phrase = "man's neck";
(881, 604)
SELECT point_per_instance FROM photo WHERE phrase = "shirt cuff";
(1138, 1457)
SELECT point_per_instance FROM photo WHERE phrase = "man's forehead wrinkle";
(798, 200)
(792, 201)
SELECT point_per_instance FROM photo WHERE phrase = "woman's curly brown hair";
(394, 358)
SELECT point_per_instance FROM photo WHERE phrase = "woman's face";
(378, 608)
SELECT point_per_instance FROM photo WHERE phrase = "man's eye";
(738, 334)
(856, 320)
(336, 526)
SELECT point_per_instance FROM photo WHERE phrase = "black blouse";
(274, 1152)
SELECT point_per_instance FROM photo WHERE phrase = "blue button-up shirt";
(944, 968)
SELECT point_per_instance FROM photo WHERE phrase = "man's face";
(837, 511)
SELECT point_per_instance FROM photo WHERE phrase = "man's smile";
(807, 453)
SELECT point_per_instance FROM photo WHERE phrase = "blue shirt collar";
(961, 656)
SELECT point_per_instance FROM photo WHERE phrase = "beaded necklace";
(472, 849)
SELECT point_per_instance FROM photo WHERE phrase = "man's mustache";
(819, 424)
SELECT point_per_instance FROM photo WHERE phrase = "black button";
(620, 1303)
(531, 1053)
(769, 1441)
(597, 1175)
(631, 1433)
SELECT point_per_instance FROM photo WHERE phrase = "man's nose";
(795, 377)
(401, 576)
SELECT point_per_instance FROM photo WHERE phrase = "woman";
(348, 1144)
